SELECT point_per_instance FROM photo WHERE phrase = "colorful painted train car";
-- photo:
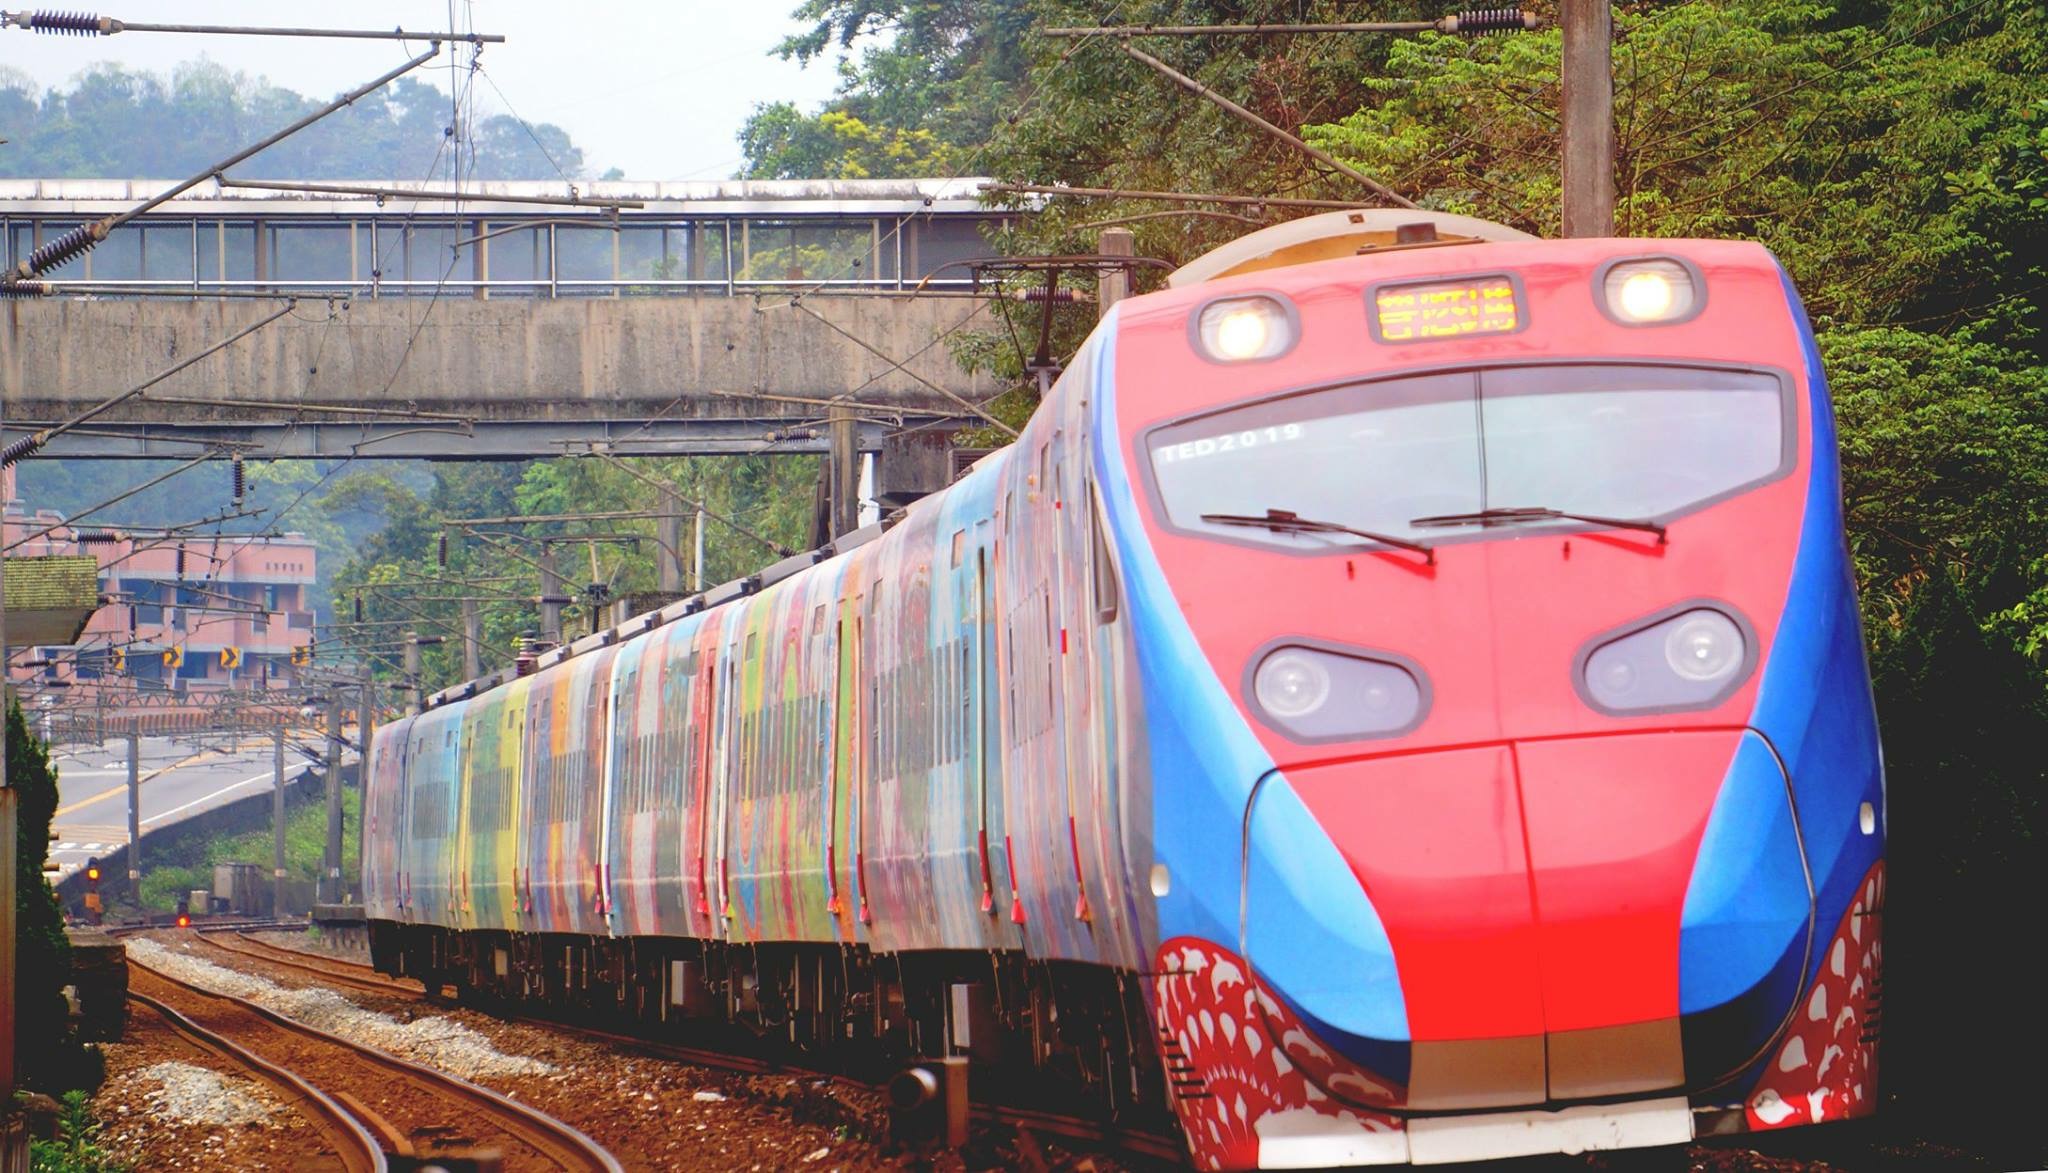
(1400, 700)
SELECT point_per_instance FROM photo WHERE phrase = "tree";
(45, 1057)
(113, 122)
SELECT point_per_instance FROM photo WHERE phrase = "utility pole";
(411, 664)
(669, 531)
(697, 565)
(330, 861)
(277, 873)
(550, 588)
(845, 458)
(1113, 285)
(134, 816)
(472, 639)
(1587, 119)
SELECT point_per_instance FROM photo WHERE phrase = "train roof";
(1331, 235)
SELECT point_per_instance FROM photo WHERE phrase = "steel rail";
(1078, 1128)
(561, 1143)
(358, 1151)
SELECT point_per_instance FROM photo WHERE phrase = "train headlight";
(1329, 694)
(1244, 329)
(1651, 292)
(1688, 660)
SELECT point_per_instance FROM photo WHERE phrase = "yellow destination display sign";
(1446, 309)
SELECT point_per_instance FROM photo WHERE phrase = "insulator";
(22, 290)
(99, 537)
(70, 24)
(1057, 296)
(240, 482)
(441, 552)
(26, 446)
(69, 246)
(1475, 22)
(181, 560)
(359, 608)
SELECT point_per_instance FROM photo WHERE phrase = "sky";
(657, 88)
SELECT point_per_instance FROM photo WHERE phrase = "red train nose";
(1533, 894)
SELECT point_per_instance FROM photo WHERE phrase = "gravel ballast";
(434, 1041)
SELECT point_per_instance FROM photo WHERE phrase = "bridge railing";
(511, 255)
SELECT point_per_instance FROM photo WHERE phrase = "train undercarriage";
(1054, 1036)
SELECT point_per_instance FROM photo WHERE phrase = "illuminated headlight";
(1242, 329)
(1691, 660)
(1315, 694)
(1642, 293)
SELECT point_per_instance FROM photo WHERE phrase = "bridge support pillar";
(845, 458)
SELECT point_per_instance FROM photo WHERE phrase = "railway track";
(413, 1111)
(356, 1149)
(359, 976)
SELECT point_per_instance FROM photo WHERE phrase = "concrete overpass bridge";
(709, 318)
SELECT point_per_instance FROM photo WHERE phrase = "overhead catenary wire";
(91, 25)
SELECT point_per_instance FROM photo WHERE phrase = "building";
(190, 614)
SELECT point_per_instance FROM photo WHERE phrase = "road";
(179, 780)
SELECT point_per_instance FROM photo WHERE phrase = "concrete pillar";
(134, 816)
(550, 588)
(697, 559)
(472, 640)
(1587, 117)
(277, 872)
(1113, 285)
(845, 458)
(412, 667)
(669, 537)
(330, 859)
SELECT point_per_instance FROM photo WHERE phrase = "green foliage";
(1890, 160)
(118, 123)
(77, 1147)
(928, 88)
(782, 143)
(180, 865)
(399, 573)
(45, 1055)
(42, 956)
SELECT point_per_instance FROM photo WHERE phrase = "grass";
(77, 1147)
(185, 867)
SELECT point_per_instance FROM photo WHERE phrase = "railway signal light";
(92, 872)
(184, 921)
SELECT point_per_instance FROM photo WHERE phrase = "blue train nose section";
(1747, 927)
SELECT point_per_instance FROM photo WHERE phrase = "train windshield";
(1605, 439)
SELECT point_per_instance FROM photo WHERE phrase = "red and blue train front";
(1515, 776)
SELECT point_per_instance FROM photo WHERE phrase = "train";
(1401, 699)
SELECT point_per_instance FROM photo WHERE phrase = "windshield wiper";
(1508, 515)
(1287, 522)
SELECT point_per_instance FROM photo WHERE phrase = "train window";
(1101, 567)
(1614, 440)
(959, 546)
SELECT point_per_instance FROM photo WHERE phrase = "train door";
(724, 776)
(838, 767)
(981, 684)
(1051, 478)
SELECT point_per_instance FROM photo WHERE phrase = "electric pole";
(331, 858)
(550, 588)
(1587, 118)
(277, 872)
(134, 816)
